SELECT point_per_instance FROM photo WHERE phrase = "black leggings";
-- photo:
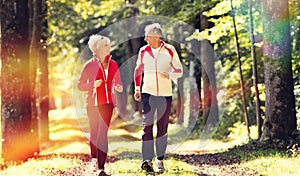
(99, 119)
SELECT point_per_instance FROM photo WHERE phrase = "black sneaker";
(147, 166)
(102, 173)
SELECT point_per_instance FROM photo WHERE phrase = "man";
(159, 62)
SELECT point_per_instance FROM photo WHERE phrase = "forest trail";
(67, 153)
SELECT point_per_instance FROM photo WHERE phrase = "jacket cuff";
(137, 88)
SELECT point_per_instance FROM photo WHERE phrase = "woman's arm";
(85, 83)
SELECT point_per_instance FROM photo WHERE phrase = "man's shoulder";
(169, 46)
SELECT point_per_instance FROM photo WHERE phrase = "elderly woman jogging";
(100, 78)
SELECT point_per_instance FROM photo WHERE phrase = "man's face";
(152, 38)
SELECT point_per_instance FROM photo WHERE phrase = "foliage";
(71, 22)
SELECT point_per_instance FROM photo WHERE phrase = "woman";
(100, 77)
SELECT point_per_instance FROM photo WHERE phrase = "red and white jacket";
(93, 70)
(152, 64)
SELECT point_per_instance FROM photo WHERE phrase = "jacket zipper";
(105, 79)
(157, 87)
(106, 93)
(156, 71)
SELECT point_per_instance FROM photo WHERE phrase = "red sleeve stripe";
(138, 75)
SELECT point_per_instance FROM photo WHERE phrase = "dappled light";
(150, 87)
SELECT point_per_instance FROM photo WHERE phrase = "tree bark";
(15, 87)
(241, 72)
(210, 104)
(259, 119)
(42, 79)
(280, 120)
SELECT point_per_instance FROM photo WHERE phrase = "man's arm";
(176, 66)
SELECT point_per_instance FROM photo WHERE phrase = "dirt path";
(67, 153)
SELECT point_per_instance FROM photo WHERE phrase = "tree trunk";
(210, 104)
(280, 120)
(35, 46)
(16, 95)
(195, 96)
(42, 80)
(180, 94)
(241, 72)
(254, 69)
(132, 49)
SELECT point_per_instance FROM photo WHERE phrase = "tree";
(280, 119)
(240, 70)
(210, 104)
(16, 94)
(254, 70)
(42, 80)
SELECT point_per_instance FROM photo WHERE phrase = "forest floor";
(67, 153)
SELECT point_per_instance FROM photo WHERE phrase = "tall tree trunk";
(16, 95)
(180, 94)
(35, 46)
(132, 49)
(42, 79)
(210, 104)
(195, 97)
(280, 120)
(241, 72)
(259, 120)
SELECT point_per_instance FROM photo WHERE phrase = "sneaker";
(159, 166)
(102, 173)
(147, 166)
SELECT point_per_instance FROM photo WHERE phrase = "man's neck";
(156, 45)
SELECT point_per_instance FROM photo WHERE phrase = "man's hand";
(165, 75)
(97, 83)
(137, 95)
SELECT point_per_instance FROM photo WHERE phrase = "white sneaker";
(159, 166)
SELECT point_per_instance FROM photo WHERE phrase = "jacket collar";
(108, 57)
(149, 50)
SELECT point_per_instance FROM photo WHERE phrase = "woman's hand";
(119, 88)
(97, 83)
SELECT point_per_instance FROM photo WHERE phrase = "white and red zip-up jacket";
(152, 64)
(93, 70)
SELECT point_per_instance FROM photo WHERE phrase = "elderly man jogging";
(159, 62)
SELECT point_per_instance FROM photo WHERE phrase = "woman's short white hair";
(155, 28)
(95, 42)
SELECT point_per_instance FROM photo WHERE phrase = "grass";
(67, 153)
(275, 165)
(132, 167)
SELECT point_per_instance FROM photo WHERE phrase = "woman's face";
(104, 48)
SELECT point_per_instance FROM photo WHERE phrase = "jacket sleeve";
(85, 83)
(176, 66)
(138, 71)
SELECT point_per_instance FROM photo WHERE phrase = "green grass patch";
(266, 158)
(133, 167)
(274, 165)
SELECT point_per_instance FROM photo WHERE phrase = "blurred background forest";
(66, 25)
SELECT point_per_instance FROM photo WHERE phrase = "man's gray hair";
(155, 28)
